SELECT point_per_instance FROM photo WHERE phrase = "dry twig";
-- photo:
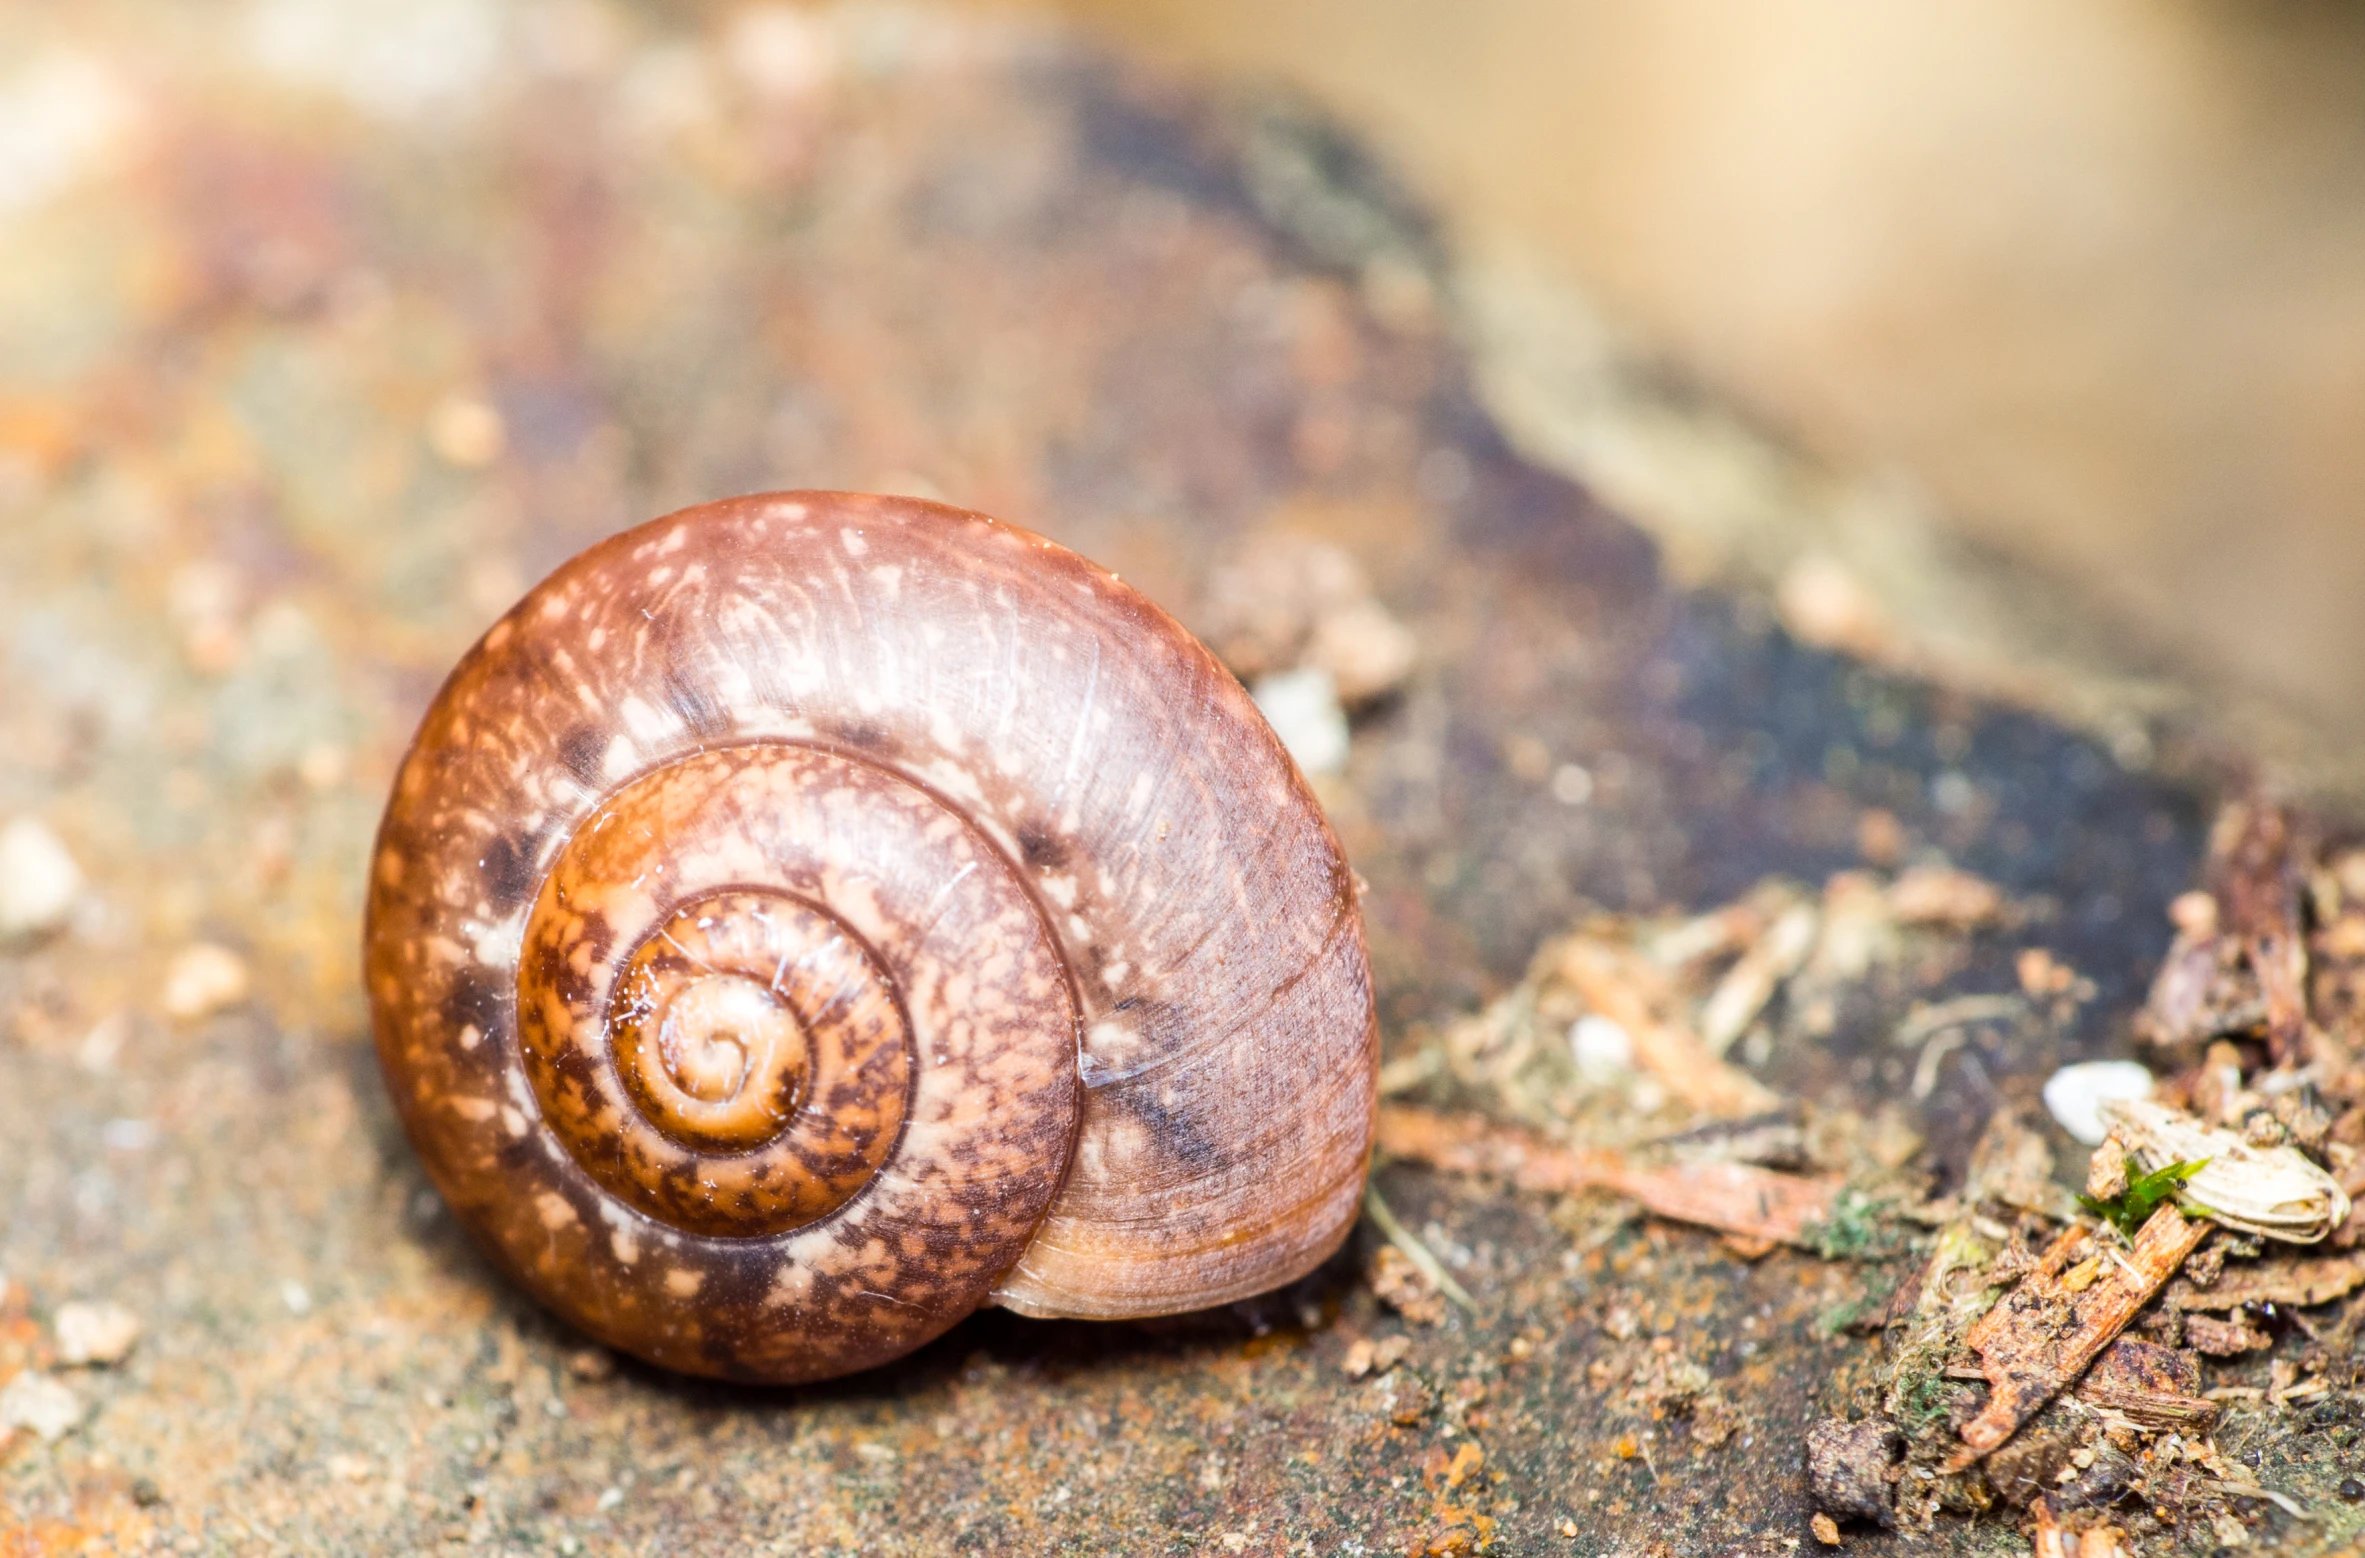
(2041, 1336)
(1734, 1198)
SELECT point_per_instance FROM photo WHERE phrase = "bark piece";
(2239, 963)
(2156, 1386)
(2224, 1338)
(2012, 1165)
(2031, 1466)
(1733, 1198)
(2293, 1283)
(2042, 1335)
(1848, 1468)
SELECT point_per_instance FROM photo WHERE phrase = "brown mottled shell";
(806, 918)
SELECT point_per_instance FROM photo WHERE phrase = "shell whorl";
(805, 918)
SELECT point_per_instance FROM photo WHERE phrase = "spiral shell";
(806, 918)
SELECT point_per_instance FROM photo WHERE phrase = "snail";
(807, 918)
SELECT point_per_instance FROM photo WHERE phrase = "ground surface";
(308, 367)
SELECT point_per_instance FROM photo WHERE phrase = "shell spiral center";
(746, 1068)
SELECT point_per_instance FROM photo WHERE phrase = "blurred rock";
(39, 881)
(101, 1332)
(36, 1401)
(203, 979)
(2075, 1094)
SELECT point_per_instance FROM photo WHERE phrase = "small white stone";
(39, 881)
(296, 1296)
(2074, 1095)
(1367, 652)
(1303, 708)
(95, 1333)
(203, 979)
(1603, 1050)
(34, 1400)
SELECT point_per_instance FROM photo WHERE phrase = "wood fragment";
(2151, 1385)
(1945, 896)
(1628, 989)
(2224, 1338)
(2040, 1337)
(2256, 884)
(2012, 1165)
(2239, 962)
(1733, 1198)
(1754, 977)
(2295, 1284)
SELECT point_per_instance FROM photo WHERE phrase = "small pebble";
(1375, 1357)
(1303, 709)
(1365, 649)
(1825, 1528)
(2074, 1095)
(1602, 1050)
(203, 979)
(36, 1401)
(591, 1363)
(39, 881)
(101, 1332)
(467, 431)
(2351, 1489)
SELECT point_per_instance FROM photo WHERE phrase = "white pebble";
(1303, 709)
(2074, 1095)
(1603, 1050)
(95, 1333)
(203, 979)
(39, 881)
(34, 1400)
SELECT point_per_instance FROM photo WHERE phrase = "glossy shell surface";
(807, 917)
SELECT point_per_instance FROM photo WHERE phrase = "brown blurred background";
(2079, 289)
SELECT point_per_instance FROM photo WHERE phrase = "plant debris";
(2050, 1352)
(2155, 1386)
(2272, 1191)
(1734, 1198)
(2292, 1284)
(2040, 1337)
(2138, 1194)
(2066, 1382)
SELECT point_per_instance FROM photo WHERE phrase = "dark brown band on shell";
(805, 917)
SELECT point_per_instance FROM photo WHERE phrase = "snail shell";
(805, 918)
